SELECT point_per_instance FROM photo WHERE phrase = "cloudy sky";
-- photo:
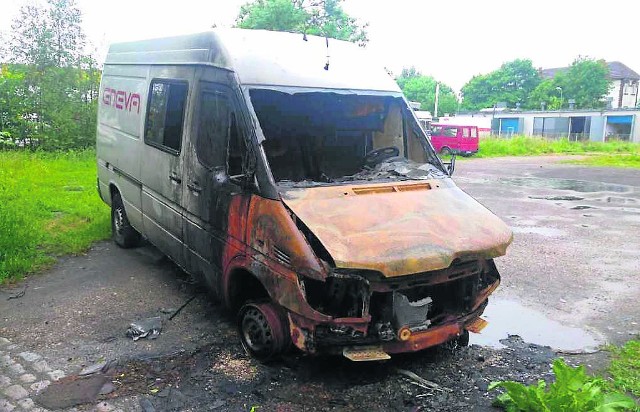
(451, 40)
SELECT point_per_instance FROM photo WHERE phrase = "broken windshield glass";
(322, 137)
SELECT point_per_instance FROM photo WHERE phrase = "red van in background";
(447, 139)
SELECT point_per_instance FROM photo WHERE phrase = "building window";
(165, 117)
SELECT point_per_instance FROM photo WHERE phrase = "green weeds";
(631, 160)
(48, 206)
(625, 367)
(534, 146)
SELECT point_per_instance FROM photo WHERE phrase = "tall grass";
(48, 206)
(533, 146)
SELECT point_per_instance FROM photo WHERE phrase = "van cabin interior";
(325, 137)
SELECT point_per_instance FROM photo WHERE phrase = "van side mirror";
(245, 181)
(451, 164)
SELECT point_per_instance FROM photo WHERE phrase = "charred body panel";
(329, 308)
(400, 229)
(409, 315)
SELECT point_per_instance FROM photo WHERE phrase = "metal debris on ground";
(182, 307)
(91, 369)
(145, 328)
(19, 294)
(417, 380)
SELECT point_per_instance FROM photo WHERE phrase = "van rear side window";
(165, 116)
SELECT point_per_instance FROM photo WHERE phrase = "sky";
(451, 40)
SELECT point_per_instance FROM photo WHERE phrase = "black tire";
(122, 232)
(445, 151)
(463, 340)
(263, 330)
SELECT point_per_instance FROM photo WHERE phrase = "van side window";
(214, 124)
(450, 131)
(165, 116)
(237, 148)
(465, 132)
(474, 133)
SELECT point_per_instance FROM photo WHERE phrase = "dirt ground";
(574, 260)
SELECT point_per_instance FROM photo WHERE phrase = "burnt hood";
(400, 228)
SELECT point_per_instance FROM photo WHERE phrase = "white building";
(594, 125)
(624, 86)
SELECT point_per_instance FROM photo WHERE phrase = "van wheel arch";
(241, 287)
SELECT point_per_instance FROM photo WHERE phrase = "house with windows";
(624, 86)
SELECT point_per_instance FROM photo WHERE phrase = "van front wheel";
(262, 330)
(123, 233)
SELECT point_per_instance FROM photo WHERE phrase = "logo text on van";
(121, 100)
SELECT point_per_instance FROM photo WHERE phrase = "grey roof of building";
(617, 70)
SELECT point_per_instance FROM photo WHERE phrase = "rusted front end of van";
(371, 270)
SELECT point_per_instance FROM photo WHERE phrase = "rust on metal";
(399, 232)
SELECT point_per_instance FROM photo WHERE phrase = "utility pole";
(435, 111)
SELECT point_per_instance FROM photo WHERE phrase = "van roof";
(261, 57)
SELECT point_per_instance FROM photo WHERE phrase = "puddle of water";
(508, 317)
(538, 230)
(565, 184)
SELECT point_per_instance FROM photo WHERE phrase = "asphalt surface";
(574, 260)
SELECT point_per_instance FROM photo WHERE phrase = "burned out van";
(290, 175)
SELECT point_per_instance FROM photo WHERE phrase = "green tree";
(421, 88)
(511, 83)
(48, 92)
(586, 81)
(546, 93)
(319, 17)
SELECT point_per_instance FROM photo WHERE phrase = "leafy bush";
(572, 391)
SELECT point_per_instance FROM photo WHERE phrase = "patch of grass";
(610, 160)
(625, 367)
(49, 206)
(534, 146)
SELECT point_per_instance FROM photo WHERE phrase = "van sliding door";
(163, 157)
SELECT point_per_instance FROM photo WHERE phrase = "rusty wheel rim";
(256, 332)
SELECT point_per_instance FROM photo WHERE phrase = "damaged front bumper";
(396, 315)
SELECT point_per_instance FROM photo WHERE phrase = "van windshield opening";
(321, 137)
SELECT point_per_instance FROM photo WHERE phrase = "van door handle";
(194, 187)
(175, 178)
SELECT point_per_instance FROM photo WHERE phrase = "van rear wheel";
(262, 330)
(123, 233)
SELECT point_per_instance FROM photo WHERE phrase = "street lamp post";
(560, 88)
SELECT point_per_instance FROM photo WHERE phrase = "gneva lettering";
(121, 99)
